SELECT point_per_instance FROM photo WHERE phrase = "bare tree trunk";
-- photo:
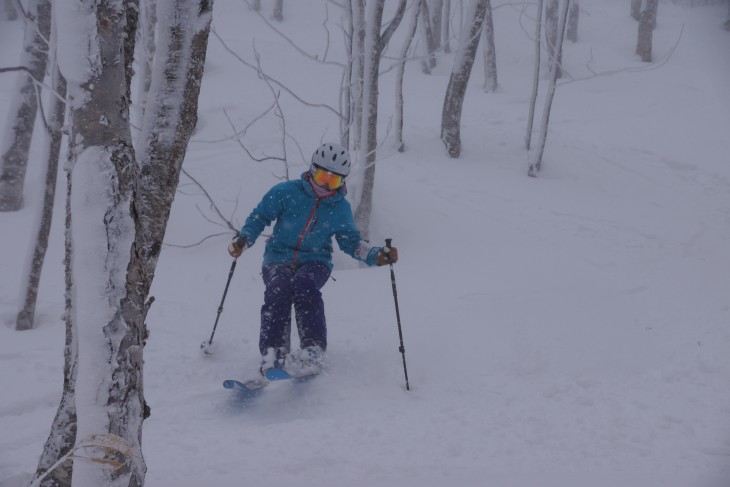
(415, 10)
(375, 43)
(56, 118)
(446, 26)
(647, 22)
(279, 10)
(573, 15)
(429, 61)
(460, 73)
(346, 101)
(148, 23)
(490, 52)
(63, 430)
(635, 9)
(114, 243)
(536, 163)
(357, 69)
(535, 77)
(436, 10)
(15, 144)
(551, 34)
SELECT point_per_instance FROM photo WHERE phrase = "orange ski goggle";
(326, 179)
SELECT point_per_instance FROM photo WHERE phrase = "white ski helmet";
(332, 157)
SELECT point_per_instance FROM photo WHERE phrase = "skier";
(298, 257)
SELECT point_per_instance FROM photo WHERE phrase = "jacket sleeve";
(268, 210)
(349, 240)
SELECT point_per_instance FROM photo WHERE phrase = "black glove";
(237, 246)
(385, 258)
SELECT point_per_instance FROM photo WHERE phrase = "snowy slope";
(569, 330)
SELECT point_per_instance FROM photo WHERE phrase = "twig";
(207, 195)
(197, 243)
(276, 82)
(301, 51)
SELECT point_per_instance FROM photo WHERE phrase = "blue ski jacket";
(305, 225)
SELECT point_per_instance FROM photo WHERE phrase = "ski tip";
(229, 384)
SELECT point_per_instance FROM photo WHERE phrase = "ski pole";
(402, 349)
(206, 345)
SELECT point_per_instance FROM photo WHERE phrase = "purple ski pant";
(287, 285)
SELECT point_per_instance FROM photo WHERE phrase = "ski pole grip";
(388, 244)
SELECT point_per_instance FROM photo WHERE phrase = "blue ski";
(281, 374)
(250, 388)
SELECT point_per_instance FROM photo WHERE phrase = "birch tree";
(571, 32)
(535, 76)
(21, 115)
(375, 43)
(52, 151)
(490, 51)
(536, 161)
(551, 34)
(117, 214)
(415, 10)
(647, 23)
(459, 79)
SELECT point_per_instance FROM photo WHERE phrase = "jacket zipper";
(304, 230)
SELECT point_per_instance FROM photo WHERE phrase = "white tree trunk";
(551, 34)
(147, 24)
(21, 116)
(375, 43)
(445, 27)
(535, 76)
(119, 215)
(460, 73)
(415, 9)
(573, 15)
(536, 163)
(490, 51)
(52, 151)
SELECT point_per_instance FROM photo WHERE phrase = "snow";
(567, 330)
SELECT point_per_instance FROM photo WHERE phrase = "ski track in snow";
(569, 330)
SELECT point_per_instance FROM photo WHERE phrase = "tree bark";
(400, 73)
(535, 77)
(551, 34)
(460, 73)
(573, 15)
(490, 51)
(436, 10)
(446, 27)
(647, 23)
(15, 146)
(56, 119)
(120, 210)
(375, 43)
(429, 60)
(536, 163)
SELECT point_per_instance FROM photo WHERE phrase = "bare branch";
(274, 81)
(313, 57)
(187, 246)
(207, 195)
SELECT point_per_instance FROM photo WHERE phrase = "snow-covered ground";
(569, 330)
